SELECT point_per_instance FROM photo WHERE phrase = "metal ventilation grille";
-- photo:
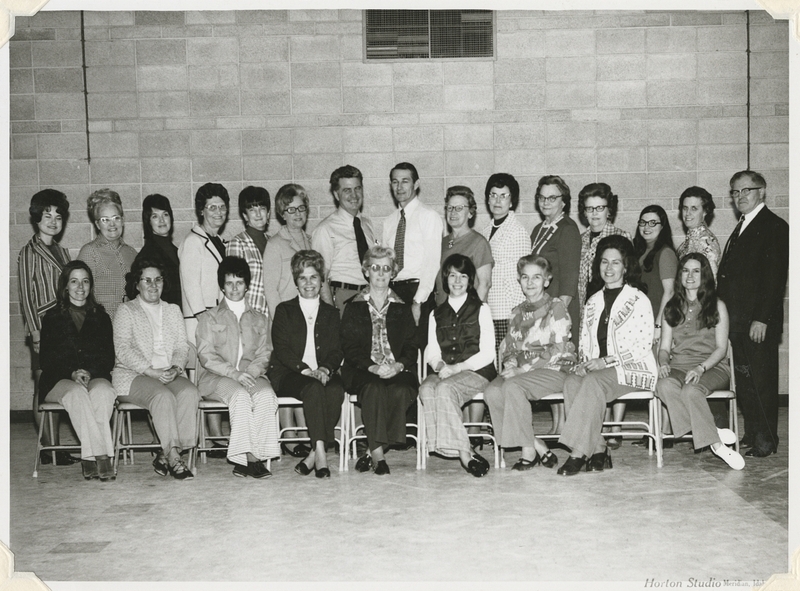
(423, 34)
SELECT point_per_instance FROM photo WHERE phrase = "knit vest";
(459, 333)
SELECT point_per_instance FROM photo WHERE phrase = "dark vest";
(459, 334)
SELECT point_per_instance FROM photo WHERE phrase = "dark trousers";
(756, 371)
(384, 404)
(406, 291)
(322, 405)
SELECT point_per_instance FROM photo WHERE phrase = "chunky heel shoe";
(301, 450)
(160, 465)
(523, 464)
(302, 469)
(364, 463)
(599, 462)
(478, 466)
(381, 468)
(105, 471)
(89, 469)
(549, 460)
(572, 466)
(322, 472)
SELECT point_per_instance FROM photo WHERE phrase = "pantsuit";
(322, 404)
(384, 404)
(90, 412)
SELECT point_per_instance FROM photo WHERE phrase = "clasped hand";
(81, 377)
(385, 370)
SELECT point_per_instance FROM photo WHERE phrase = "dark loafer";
(241, 471)
(599, 462)
(322, 473)
(481, 459)
(549, 460)
(572, 466)
(364, 463)
(258, 470)
(105, 471)
(477, 466)
(89, 468)
(760, 452)
(381, 468)
(302, 469)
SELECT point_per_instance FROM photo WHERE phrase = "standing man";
(415, 232)
(343, 237)
(752, 279)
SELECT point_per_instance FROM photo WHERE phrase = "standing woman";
(616, 353)
(107, 255)
(696, 208)
(653, 247)
(509, 241)
(77, 358)
(306, 355)
(692, 358)
(250, 244)
(380, 357)
(157, 225)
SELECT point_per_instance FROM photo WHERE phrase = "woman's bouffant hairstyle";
(664, 239)
(675, 310)
(151, 202)
(285, 196)
(133, 276)
(206, 192)
(380, 252)
(535, 259)
(235, 266)
(460, 264)
(563, 187)
(48, 198)
(499, 180)
(466, 192)
(252, 196)
(100, 198)
(63, 280)
(307, 258)
(706, 199)
(603, 191)
(632, 275)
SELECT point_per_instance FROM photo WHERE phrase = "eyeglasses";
(217, 208)
(550, 199)
(456, 208)
(385, 268)
(744, 192)
(651, 223)
(148, 281)
(115, 218)
(293, 209)
(595, 208)
(499, 196)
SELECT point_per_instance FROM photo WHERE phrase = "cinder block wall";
(649, 102)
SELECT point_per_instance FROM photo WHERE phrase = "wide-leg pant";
(510, 404)
(173, 407)
(442, 401)
(322, 405)
(90, 412)
(254, 417)
(384, 404)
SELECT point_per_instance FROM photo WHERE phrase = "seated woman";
(692, 357)
(616, 353)
(461, 351)
(233, 347)
(77, 355)
(536, 353)
(380, 358)
(306, 355)
(150, 342)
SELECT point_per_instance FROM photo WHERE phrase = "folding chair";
(48, 410)
(292, 402)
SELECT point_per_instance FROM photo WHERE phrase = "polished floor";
(693, 518)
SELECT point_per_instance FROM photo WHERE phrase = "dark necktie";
(400, 240)
(361, 240)
(734, 236)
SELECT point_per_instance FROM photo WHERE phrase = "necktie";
(734, 236)
(361, 240)
(400, 240)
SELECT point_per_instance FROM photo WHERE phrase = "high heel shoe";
(381, 468)
(572, 466)
(322, 472)
(549, 460)
(599, 462)
(302, 469)
(523, 464)
(301, 450)
(477, 466)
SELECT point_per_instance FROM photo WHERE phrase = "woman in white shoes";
(692, 359)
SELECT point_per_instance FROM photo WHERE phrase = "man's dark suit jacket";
(289, 340)
(752, 274)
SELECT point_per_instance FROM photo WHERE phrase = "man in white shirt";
(343, 237)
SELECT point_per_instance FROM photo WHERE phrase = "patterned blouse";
(588, 248)
(381, 352)
(109, 263)
(702, 240)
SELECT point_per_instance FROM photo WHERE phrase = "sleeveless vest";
(459, 334)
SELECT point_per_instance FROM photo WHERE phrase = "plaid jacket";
(38, 275)
(588, 248)
(509, 243)
(243, 246)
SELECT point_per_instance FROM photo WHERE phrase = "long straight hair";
(675, 310)
(62, 293)
(663, 240)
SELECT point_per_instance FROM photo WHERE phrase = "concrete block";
(23, 147)
(34, 34)
(510, 71)
(262, 16)
(135, 32)
(56, 54)
(669, 185)
(519, 96)
(468, 72)
(148, 18)
(671, 92)
(351, 48)
(314, 48)
(316, 166)
(722, 131)
(203, 52)
(695, 18)
(168, 144)
(769, 64)
(166, 170)
(518, 136)
(110, 53)
(24, 173)
(263, 49)
(621, 67)
(721, 65)
(207, 169)
(672, 132)
(418, 73)
(56, 106)
(630, 41)
(671, 40)
(210, 17)
(521, 44)
(19, 54)
(563, 69)
(161, 52)
(135, 125)
(366, 74)
(209, 77)
(267, 141)
(561, 95)
(55, 19)
(116, 18)
(768, 157)
(782, 110)
(215, 142)
(375, 165)
(566, 43)
(213, 103)
(58, 80)
(162, 78)
(769, 90)
(22, 106)
(73, 126)
(270, 75)
(163, 104)
(571, 134)
(346, 30)
(570, 160)
(63, 172)
(468, 98)
(68, 34)
(114, 145)
(21, 81)
(622, 159)
(316, 75)
(626, 185)
(622, 93)
(313, 15)
(769, 130)
(723, 38)
(521, 162)
(110, 79)
(469, 163)
(317, 100)
(265, 102)
(274, 167)
(468, 137)
(367, 99)
(418, 98)
(111, 171)
(239, 123)
(421, 139)
(671, 66)
(622, 133)
(367, 139)
(726, 157)
(725, 91)
(34, 126)
(771, 37)
(671, 158)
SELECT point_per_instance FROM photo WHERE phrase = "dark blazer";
(172, 277)
(64, 349)
(753, 272)
(356, 337)
(289, 340)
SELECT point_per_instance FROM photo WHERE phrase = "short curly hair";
(380, 252)
(235, 266)
(285, 196)
(603, 191)
(307, 258)
(706, 200)
(100, 198)
(466, 192)
(48, 198)
(502, 179)
(206, 192)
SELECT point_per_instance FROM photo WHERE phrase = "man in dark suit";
(751, 280)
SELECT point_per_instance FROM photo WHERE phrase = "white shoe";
(733, 459)
(726, 436)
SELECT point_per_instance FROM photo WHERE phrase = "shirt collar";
(342, 212)
(391, 297)
(411, 207)
(554, 223)
(749, 217)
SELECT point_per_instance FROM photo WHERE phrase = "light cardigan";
(133, 342)
(509, 243)
(630, 337)
(199, 288)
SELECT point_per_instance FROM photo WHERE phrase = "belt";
(350, 286)
(405, 282)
